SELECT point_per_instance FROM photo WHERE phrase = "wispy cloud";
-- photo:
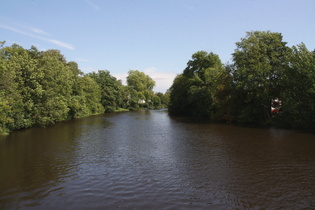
(163, 80)
(37, 31)
(40, 31)
(93, 5)
(60, 43)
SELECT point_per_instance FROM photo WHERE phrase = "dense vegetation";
(40, 88)
(265, 73)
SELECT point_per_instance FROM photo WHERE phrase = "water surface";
(149, 160)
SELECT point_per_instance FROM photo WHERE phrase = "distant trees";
(111, 94)
(195, 91)
(140, 81)
(264, 68)
(40, 88)
(143, 85)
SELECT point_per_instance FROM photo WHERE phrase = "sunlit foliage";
(40, 88)
(264, 69)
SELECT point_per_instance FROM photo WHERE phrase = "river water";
(149, 160)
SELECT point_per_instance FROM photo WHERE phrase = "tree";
(298, 95)
(41, 88)
(260, 60)
(56, 83)
(194, 91)
(178, 95)
(164, 98)
(110, 90)
(226, 96)
(143, 84)
(140, 81)
(131, 98)
(92, 93)
(156, 102)
(202, 65)
(19, 87)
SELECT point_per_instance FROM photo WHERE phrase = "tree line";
(267, 83)
(40, 88)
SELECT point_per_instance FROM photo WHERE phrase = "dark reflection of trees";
(281, 170)
(34, 162)
(269, 168)
(243, 167)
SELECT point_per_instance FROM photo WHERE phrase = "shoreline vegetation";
(268, 83)
(41, 88)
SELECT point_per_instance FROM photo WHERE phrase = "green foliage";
(195, 91)
(140, 81)
(41, 88)
(164, 99)
(140, 93)
(178, 95)
(298, 97)
(111, 97)
(263, 69)
(260, 61)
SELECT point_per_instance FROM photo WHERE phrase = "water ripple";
(147, 160)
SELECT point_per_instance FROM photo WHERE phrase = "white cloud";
(40, 31)
(150, 70)
(163, 80)
(56, 42)
(122, 77)
(93, 5)
(60, 43)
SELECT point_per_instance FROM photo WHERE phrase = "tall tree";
(140, 81)
(20, 86)
(298, 96)
(110, 89)
(178, 95)
(194, 91)
(143, 84)
(57, 86)
(41, 88)
(260, 60)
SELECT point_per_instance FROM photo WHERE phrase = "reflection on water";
(147, 159)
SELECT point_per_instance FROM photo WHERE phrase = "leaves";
(260, 61)
(41, 88)
(264, 68)
(194, 91)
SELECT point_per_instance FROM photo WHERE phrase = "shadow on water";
(149, 160)
(254, 166)
(204, 120)
(35, 162)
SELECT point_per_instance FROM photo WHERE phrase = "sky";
(157, 37)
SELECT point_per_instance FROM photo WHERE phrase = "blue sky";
(157, 37)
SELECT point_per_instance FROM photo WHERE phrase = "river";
(149, 160)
